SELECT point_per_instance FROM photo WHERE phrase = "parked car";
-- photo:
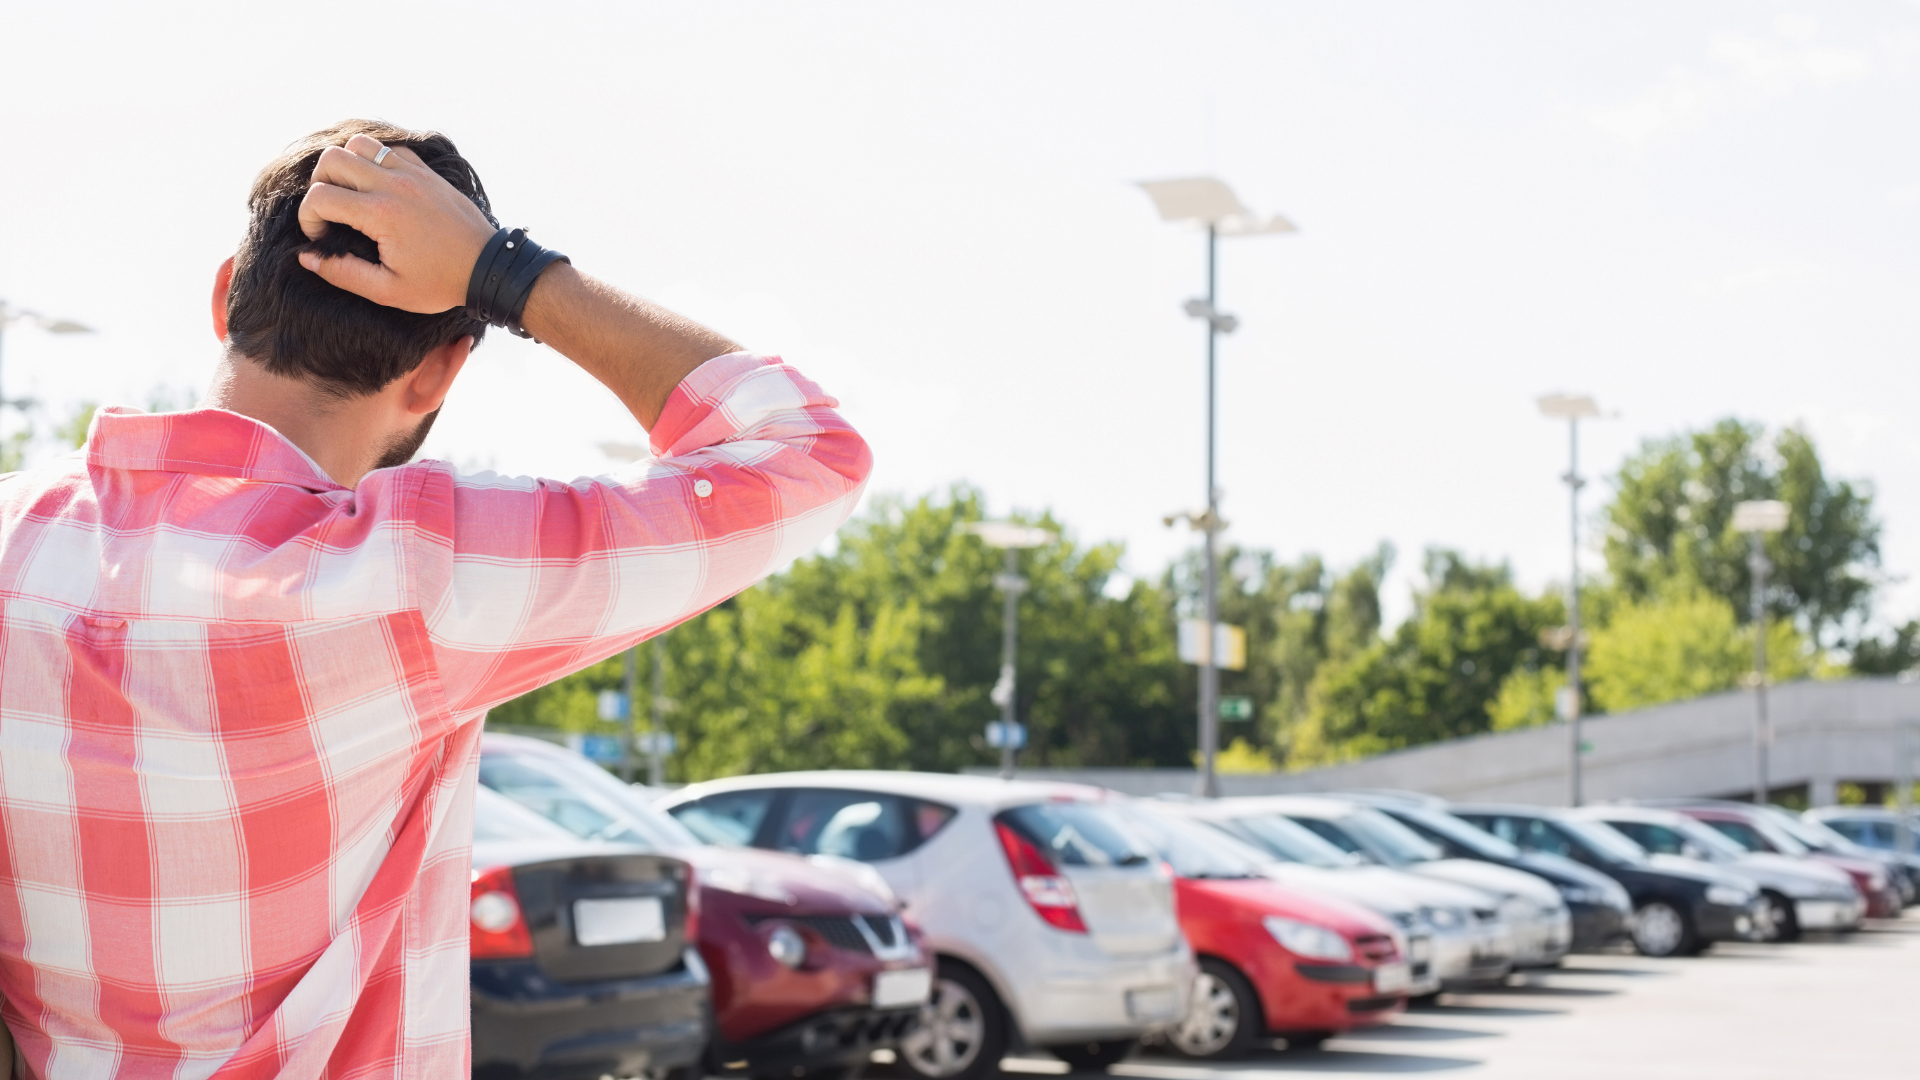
(1758, 829)
(1820, 837)
(1800, 894)
(1601, 910)
(812, 966)
(582, 960)
(1273, 960)
(1679, 909)
(1053, 926)
(1542, 925)
(1876, 829)
(1456, 937)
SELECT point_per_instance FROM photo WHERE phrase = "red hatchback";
(1273, 960)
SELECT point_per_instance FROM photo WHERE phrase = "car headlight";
(787, 946)
(1445, 918)
(1308, 940)
(1729, 895)
(1877, 879)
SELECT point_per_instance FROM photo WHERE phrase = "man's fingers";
(326, 202)
(354, 274)
(364, 146)
(344, 168)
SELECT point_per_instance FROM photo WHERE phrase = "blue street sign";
(1002, 734)
(604, 749)
(612, 705)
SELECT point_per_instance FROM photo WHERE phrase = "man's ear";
(222, 282)
(428, 385)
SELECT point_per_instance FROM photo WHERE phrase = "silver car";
(1041, 906)
(1800, 894)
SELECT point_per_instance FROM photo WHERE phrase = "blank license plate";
(1155, 1004)
(619, 921)
(908, 986)
(1392, 978)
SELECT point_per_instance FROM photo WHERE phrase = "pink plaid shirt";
(240, 705)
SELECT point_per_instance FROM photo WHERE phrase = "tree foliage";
(1682, 645)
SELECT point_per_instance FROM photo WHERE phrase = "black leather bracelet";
(503, 278)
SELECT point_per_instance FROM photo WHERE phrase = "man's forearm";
(637, 349)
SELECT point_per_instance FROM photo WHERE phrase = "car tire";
(1661, 929)
(1786, 926)
(1306, 1041)
(1094, 1056)
(1223, 1015)
(962, 1034)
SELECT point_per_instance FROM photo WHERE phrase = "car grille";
(1376, 946)
(838, 930)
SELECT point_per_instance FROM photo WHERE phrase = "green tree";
(1438, 674)
(1670, 525)
(1682, 645)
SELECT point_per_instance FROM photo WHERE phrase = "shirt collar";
(210, 442)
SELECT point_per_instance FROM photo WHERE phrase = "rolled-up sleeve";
(521, 581)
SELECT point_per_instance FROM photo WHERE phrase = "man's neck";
(340, 434)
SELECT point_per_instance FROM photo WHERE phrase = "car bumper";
(1333, 997)
(1472, 957)
(1723, 922)
(1599, 926)
(526, 1025)
(834, 1037)
(1829, 914)
(1542, 939)
(1122, 998)
(1884, 904)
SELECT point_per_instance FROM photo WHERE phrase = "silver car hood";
(1390, 892)
(1801, 879)
(1487, 877)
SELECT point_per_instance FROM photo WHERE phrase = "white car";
(1054, 927)
(1542, 925)
(1467, 940)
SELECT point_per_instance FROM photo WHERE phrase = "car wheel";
(962, 1034)
(1779, 913)
(1307, 1040)
(1223, 1016)
(1094, 1056)
(1660, 930)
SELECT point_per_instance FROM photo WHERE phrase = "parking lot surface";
(1824, 1007)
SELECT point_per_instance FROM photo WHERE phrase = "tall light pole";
(1209, 203)
(657, 741)
(1572, 408)
(1756, 519)
(1010, 536)
(10, 315)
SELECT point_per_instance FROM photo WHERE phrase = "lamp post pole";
(656, 748)
(1573, 710)
(1757, 518)
(1011, 586)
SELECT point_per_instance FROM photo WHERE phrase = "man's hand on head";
(430, 235)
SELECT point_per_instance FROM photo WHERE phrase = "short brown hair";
(287, 318)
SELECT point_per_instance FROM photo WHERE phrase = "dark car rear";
(1676, 911)
(582, 963)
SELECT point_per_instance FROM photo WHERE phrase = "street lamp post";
(1209, 203)
(1572, 408)
(1756, 519)
(1010, 536)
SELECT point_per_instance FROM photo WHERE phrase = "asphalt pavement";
(1830, 1006)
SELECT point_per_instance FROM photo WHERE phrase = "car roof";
(1320, 806)
(1652, 815)
(989, 792)
(1516, 809)
(1871, 813)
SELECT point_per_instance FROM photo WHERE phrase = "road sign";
(1001, 734)
(612, 705)
(646, 740)
(1229, 644)
(604, 749)
(1236, 708)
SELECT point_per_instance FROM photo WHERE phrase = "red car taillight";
(1050, 894)
(499, 931)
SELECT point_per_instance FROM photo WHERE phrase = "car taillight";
(1050, 894)
(498, 930)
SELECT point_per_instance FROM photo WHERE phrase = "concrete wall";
(1825, 733)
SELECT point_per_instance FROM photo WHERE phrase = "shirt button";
(703, 488)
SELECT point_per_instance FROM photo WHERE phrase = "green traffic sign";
(1236, 708)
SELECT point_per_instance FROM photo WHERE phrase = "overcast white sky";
(1692, 211)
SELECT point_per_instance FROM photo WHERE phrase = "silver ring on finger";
(382, 155)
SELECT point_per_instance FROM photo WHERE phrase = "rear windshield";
(1285, 839)
(1078, 834)
(496, 817)
(1452, 829)
(580, 797)
(1194, 851)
